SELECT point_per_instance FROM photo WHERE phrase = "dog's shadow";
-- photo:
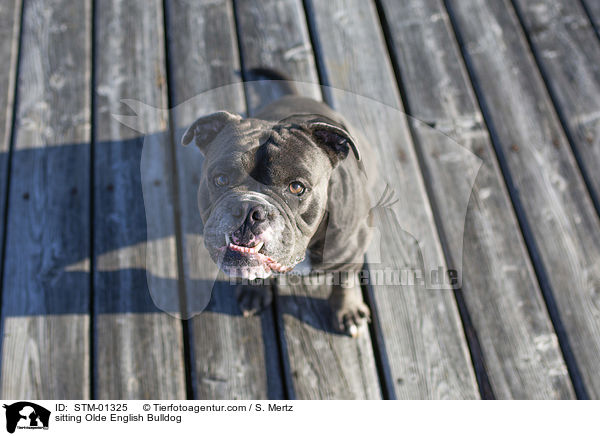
(312, 311)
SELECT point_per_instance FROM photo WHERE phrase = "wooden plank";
(139, 348)
(556, 213)
(322, 363)
(593, 9)
(283, 44)
(46, 345)
(10, 25)
(421, 328)
(520, 349)
(314, 352)
(233, 356)
(568, 53)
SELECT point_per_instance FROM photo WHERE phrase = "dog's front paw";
(350, 316)
(253, 299)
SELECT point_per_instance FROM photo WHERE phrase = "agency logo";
(26, 415)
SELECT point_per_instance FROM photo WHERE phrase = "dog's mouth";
(256, 254)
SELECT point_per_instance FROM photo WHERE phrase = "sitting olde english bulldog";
(289, 181)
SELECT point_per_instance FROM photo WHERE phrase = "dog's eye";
(296, 188)
(221, 180)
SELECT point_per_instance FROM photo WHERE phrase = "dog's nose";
(256, 214)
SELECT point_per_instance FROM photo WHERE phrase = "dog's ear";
(333, 137)
(205, 129)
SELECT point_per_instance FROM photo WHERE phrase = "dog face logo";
(26, 415)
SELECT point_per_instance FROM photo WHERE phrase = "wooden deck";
(515, 82)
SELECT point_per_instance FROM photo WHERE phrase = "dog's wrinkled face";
(263, 190)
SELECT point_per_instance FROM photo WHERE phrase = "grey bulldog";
(288, 181)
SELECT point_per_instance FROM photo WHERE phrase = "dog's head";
(264, 186)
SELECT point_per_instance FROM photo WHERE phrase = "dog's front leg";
(253, 298)
(347, 306)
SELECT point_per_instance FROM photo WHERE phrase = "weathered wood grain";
(46, 345)
(421, 328)
(520, 348)
(233, 356)
(273, 34)
(10, 25)
(555, 210)
(568, 53)
(593, 9)
(138, 348)
(322, 364)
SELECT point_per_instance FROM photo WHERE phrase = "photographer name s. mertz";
(114, 417)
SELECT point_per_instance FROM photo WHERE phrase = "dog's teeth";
(258, 246)
(227, 240)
